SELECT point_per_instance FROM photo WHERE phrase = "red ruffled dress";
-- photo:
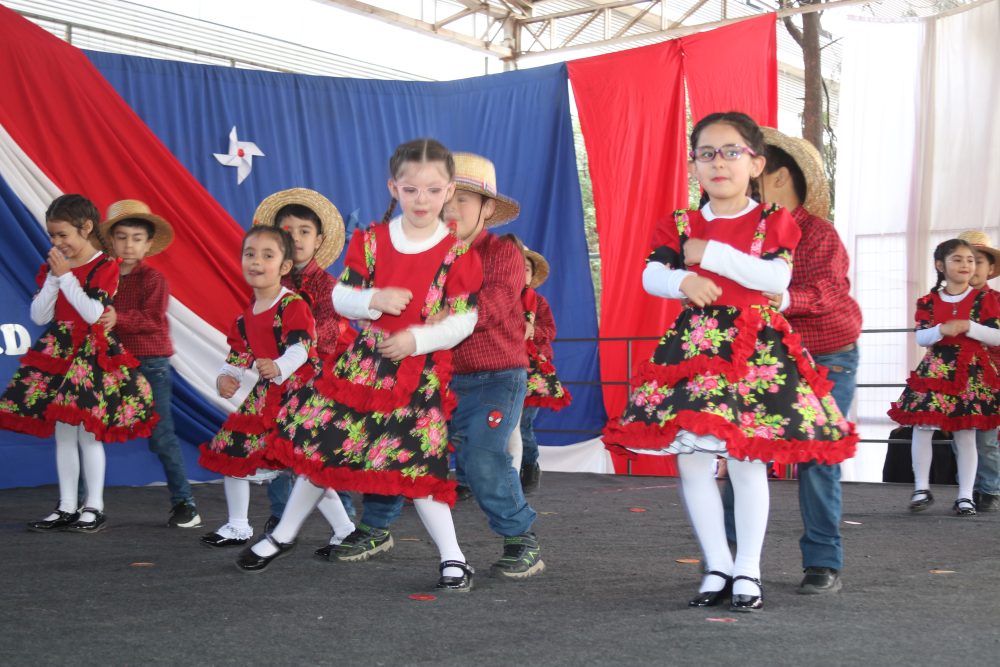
(78, 373)
(373, 425)
(333, 332)
(544, 388)
(241, 447)
(955, 385)
(732, 378)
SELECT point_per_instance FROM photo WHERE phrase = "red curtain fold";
(632, 114)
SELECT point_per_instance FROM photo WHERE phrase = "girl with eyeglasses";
(729, 378)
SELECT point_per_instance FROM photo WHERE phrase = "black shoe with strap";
(743, 602)
(62, 521)
(964, 507)
(251, 562)
(462, 584)
(713, 598)
(98, 523)
(921, 500)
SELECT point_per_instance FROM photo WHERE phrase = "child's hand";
(955, 328)
(773, 300)
(227, 386)
(398, 346)
(529, 331)
(58, 264)
(391, 300)
(268, 369)
(694, 250)
(700, 291)
(109, 318)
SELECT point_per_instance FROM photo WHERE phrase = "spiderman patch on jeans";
(494, 418)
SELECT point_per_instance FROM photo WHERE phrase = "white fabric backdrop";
(918, 156)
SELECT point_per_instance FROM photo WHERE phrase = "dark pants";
(163, 442)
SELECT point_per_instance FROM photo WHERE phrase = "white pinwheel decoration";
(240, 155)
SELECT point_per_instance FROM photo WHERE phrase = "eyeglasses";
(729, 152)
(413, 192)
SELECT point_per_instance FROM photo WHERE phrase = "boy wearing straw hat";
(820, 308)
(139, 318)
(490, 377)
(986, 492)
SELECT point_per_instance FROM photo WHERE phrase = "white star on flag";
(240, 155)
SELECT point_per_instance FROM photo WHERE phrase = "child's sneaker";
(362, 544)
(522, 558)
(184, 515)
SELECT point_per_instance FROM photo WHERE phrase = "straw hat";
(811, 163)
(980, 240)
(163, 233)
(474, 173)
(329, 218)
(541, 268)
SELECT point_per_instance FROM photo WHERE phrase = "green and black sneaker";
(362, 544)
(522, 558)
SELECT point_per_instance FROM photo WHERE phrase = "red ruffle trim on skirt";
(28, 425)
(619, 438)
(105, 434)
(237, 466)
(550, 402)
(380, 482)
(943, 422)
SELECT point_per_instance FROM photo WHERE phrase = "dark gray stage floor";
(614, 593)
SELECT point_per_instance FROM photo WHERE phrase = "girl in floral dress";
(955, 386)
(275, 335)
(77, 381)
(729, 378)
(376, 422)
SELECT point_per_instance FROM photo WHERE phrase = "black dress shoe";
(98, 523)
(531, 478)
(462, 584)
(62, 521)
(743, 602)
(713, 598)
(964, 507)
(819, 580)
(325, 552)
(921, 500)
(986, 502)
(251, 562)
(216, 540)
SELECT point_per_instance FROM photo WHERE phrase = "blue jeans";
(479, 430)
(163, 441)
(820, 500)
(529, 455)
(988, 472)
(380, 511)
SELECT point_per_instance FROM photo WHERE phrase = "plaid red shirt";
(821, 308)
(333, 333)
(497, 343)
(141, 306)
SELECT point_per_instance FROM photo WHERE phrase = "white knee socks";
(238, 504)
(704, 506)
(967, 458)
(751, 504)
(301, 502)
(71, 443)
(436, 517)
(922, 451)
(332, 508)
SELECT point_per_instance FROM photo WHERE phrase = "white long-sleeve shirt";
(356, 304)
(977, 331)
(289, 362)
(766, 275)
(43, 305)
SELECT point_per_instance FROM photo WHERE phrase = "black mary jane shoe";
(964, 507)
(325, 553)
(62, 521)
(216, 540)
(742, 602)
(713, 598)
(251, 562)
(921, 500)
(98, 523)
(462, 584)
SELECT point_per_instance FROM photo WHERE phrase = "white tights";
(966, 456)
(72, 444)
(704, 505)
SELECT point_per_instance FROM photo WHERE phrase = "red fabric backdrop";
(631, 107)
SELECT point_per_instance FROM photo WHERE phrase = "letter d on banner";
(16, 339)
